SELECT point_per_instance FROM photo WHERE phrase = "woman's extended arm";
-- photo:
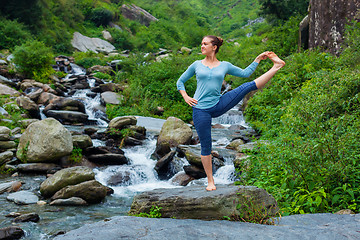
(236, 71)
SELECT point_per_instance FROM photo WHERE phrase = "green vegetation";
(76, 155)
(153, 213)
(13, 120)
(310, 114)
(33, 59)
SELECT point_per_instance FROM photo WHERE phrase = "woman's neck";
(211, 59)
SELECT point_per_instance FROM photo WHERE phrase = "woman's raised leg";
(263, 79)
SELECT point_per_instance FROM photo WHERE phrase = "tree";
(275, 10)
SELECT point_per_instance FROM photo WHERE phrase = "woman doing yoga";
(208, 102)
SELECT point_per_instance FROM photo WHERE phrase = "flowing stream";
(140, 172)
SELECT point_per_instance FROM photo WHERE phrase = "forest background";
(309, 113)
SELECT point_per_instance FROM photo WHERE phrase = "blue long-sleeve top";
(209, 80)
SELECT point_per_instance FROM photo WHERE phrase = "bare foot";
(210, 187)
(278, 63)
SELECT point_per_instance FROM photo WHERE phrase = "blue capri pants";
(202, 117)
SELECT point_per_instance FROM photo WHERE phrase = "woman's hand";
(189, 100)
(262, 56)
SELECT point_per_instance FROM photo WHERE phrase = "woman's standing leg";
(202, 122)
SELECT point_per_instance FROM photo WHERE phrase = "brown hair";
(215, 41)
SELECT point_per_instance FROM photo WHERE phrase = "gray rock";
(5, 90)
(44, 141)
(37, 167)
(4, 137)
(84, 44)
(29, 217)
(12, 232)
(46, 97)
(26, 122)
(91, 191)
(65, 177)
(136, 13)
(297, 227)
(34, 96)
(15, 131)
(4, 130)
(121, 122)
(23, 197)
(175, 131)
(108, 159)
(10, 186)
(29, 105)
(194, 202)
(3, 112)
(68, 116)
(82, 141)
(111, 98)
(66, 104)
(106, 35)
(164, 161)
(236, 144)
(120, 178)
(181, 179)
(194, 171)
(73, 201)
(7, 145)
(5, 157)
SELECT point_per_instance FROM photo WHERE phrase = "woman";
(207, 102)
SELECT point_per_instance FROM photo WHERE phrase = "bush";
(12, 34)
(33, 58)
(101, 16)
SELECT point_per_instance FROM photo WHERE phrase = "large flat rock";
(194, 202)
(325, 226)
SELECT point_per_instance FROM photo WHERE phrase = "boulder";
(4, 145)
(194, 202)
(68, 116)
(164, 161)
(82, 141)
(65, 177)
(108, 159)
(327, 21)
(122, 122)
(5, 90)
(73, 201)
(66, 104)
(12, 232)
(236, 144)
(5, 157)
(84, 44)
(112, 87)
(111, 98)
(4, 130)
(91, 191)
(194, 171)
(181, 179)
(10, 186)
(175, 131)
(120, 178)
(29, 217)
(107, 36)
(34, 96)
(99, 68)
(23, 197)
(136, 13)
(4, 80)
(29, 105)
(102, 150)
(46, 97)
(44, 141)
(38, 167)
(26, 122)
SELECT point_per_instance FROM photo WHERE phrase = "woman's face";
(206, 46)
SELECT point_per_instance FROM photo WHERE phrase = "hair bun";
(220, 41)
